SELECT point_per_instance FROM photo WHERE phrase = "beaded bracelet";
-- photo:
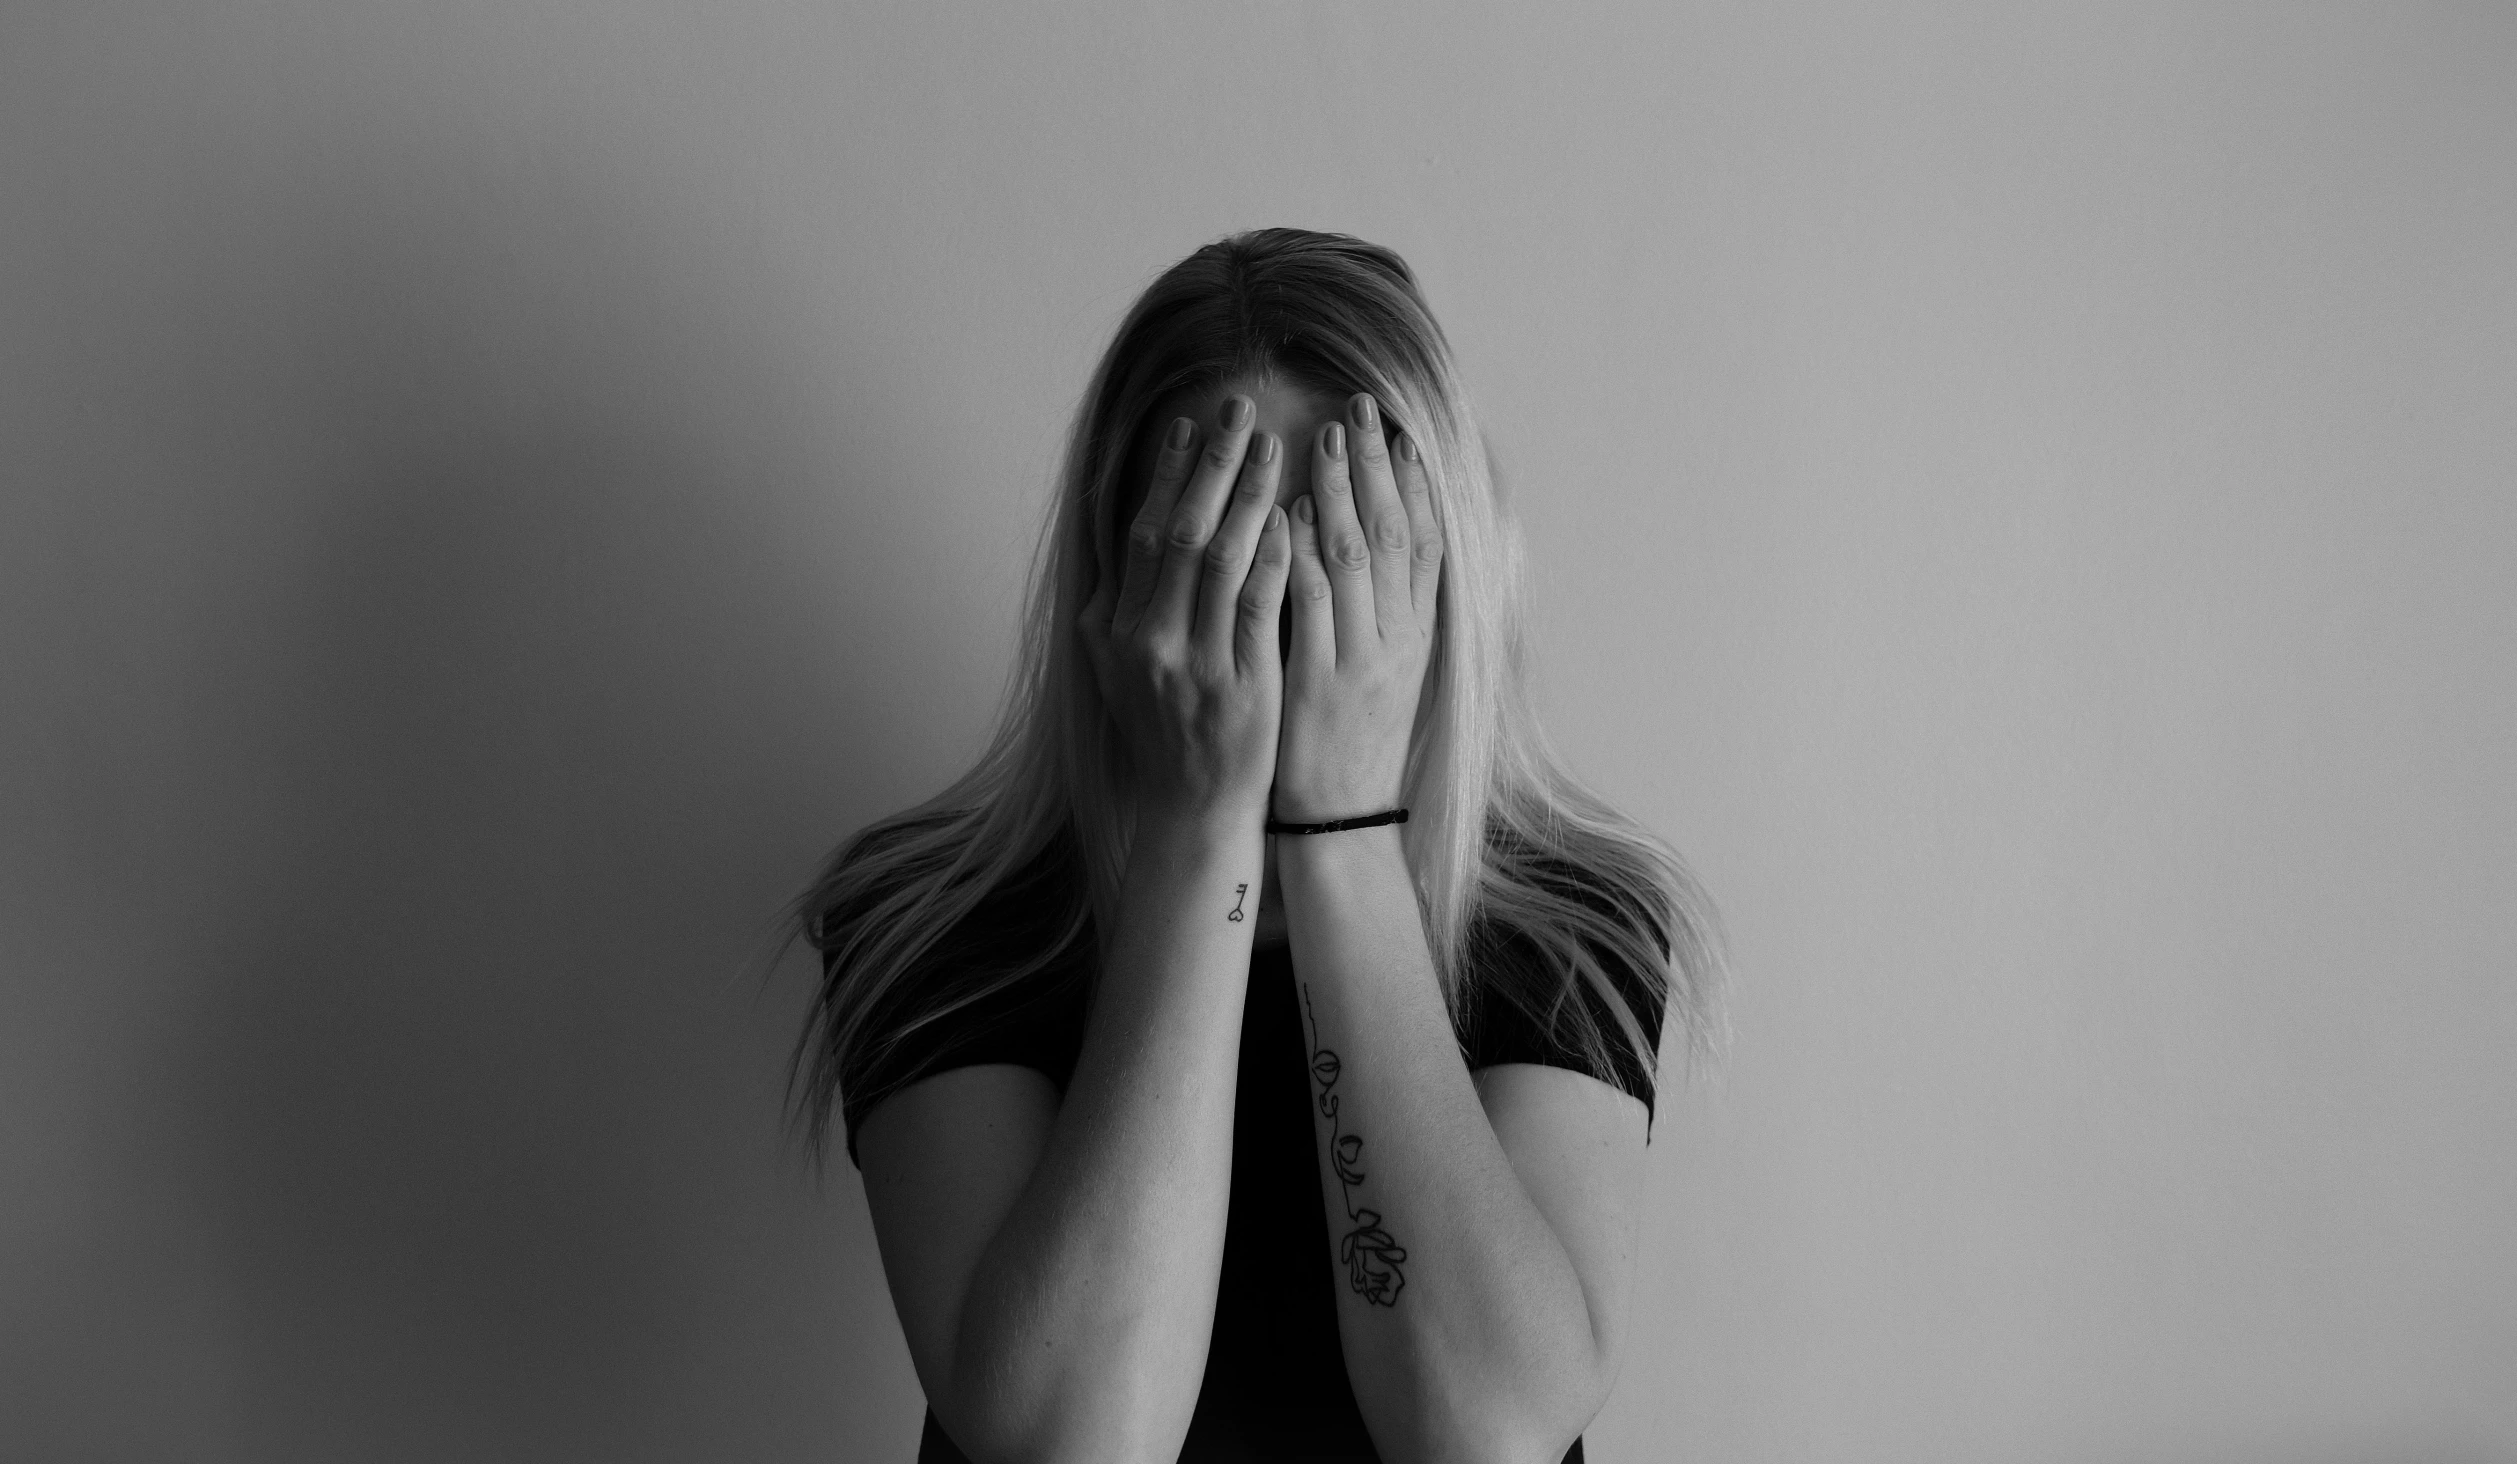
(1367, 821)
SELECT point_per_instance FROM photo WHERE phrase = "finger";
(1262, 596)
(1424, 531)
(1314, 623)
(1227, 558)
(1200, 509)
(1343, 552)
(1142, 567)
(1383, 516)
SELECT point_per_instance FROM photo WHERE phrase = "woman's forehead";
(1289, 409)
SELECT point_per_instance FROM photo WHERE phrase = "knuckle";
(1187, 532)
(1429, 551)
(1349, 550)
(1220, 453)
(1391, 530)
(1144, 538)
(1223, 556)
(1313, 589)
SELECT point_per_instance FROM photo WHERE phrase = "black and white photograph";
(956, 733)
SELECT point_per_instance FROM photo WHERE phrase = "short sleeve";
(1036, 1021)
(1523, 1010)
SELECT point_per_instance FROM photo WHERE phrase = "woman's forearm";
(1085, 1329)
(1466, 1331)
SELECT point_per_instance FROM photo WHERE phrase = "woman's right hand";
(1183, 643)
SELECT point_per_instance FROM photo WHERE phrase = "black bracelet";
(1368, 821)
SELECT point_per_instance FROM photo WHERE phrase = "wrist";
(1337, 855)
(1188, 830)
(1287, 806)
(1192, 874)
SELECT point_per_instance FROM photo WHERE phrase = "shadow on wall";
(477, 1101)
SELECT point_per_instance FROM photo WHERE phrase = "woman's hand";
(1367, 563)
(1183, 643)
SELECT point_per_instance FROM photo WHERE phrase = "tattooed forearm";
(1370, 1254)
(1239, 893)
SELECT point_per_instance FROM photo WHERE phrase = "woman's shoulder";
(897, 884)
(1620, 891)
(1007, 980)
(1558, 947)
(1560, 900)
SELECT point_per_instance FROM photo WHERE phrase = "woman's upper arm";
(1577, 1146)
(944, 1159)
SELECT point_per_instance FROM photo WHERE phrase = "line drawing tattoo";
(1370, 1254)
(1238, 891)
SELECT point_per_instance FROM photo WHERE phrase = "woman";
(1252, 1056)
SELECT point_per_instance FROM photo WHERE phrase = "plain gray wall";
(492, 491)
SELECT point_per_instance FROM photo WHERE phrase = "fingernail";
(1367, 414)
(1302, 508)
(1267, 448)
(1407, 446)
(1236, 414)
(1337, 440)
(1275, 518)
(1180, 430)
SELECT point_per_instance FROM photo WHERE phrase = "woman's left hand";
(1367, 564)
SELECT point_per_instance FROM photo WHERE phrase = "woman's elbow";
(1074, 1424)
(1533, 1420)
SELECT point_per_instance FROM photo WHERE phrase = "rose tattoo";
(1370, 1253)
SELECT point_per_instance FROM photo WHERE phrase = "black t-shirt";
(1275, 1385)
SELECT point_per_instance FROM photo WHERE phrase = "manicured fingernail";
(1180, 430)
(1407, 446)
(1337, 441)
(1267, 448)
(1275, 518)
(1367, 415)
(1236, 414)
(1303, 510)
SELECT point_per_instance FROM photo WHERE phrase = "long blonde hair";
(1502, 841)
